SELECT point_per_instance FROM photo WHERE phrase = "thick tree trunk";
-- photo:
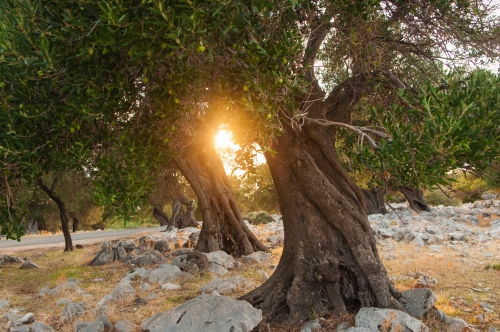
(161, 216)
(68, 243)
(32, 227)
(374, 198)
(415, 198)
(330, 259)
(223, 227)
(184, 218)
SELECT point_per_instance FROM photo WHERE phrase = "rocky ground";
(447, 262)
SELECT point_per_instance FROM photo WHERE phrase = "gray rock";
(103, 257)
(14, 314)
(405, 235)
(123, 292)
(442, 316)
(20, 328)
(63, 301)
(168, 273)
(27, 319)
(125, 326)
(4, 304)
(458, 325)
(80, 324)
(226, 285)
(434, 239)
(217, 269)
(221, 258)
(418, 301)
(121, 254)
(105, 321)
(142, 272)
(96, 326)
(493, 329)
(372, 318)
(145, 287)
(257, 257)
(72, 310)
(206, 313)
(311, 326)
(41, 327)
(342, 327)
(10, 259)
(49, 291)
(168, 286)
(149, 258)
(359, 329)
(29, 265)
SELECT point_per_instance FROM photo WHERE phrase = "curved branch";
(357, 130)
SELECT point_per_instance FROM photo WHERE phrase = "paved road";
(78, 238)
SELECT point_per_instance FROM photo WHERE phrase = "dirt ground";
(463, 282)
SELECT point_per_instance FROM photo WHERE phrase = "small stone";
(311, 326)
(418, 301)
(442, 316)
(29, 265)
(105, 321)
(27, 319)
(263, 274)
(151, 296)
(480, 318)
(125, 326)
(168, 286)
(41, 327)
(342, 327)
(145, 287)
(96, 326)
(458, 325)
(4, 304)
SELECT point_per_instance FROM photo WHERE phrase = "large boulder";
(72, 310)
(103, 257)
(206, 313)
(418, 301)
(388, 319)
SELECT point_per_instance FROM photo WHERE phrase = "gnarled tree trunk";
(223, 227)
(68, 243)
(415, 198)
(183, 218)
(160, 215)
(73, 216)
(374, 198)
(330, 259)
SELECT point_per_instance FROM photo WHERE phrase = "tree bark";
(161, 216)
(223, 227)
(330, 259)
(374, 198)
(73, 216)
(68, 243)
(415, 198)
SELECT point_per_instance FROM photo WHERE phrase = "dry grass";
(458, 277)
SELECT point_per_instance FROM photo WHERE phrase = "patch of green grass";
(492, 266)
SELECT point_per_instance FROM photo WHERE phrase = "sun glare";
(223, 139)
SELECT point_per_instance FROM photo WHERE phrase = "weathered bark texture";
(73, 216)
(415, 198)
(68, 243)
(223, 227)
(374, 198)
(183, 218)
(330, 259)
(160, 215)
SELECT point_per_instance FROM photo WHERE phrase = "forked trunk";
(374, 198)
(183, 218)
(415, 198)
(161, 216)
(68, 243)
(223, 227)
(330, 259)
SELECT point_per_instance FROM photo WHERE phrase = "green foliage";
(436, 197)
(258, 218)
(492, 266)
(440, 129)
(255, 190)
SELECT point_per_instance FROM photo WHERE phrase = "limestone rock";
(27, 319)
(418, 301)
(311, 326)
(226, 285)
(458, 325)
(168, 273)
(221, 258)
(105, 321)
(206, 313)
(96, 326)
(257, 257)
(125, 326)
(372, 318)
(105, 256)
(168, 286)
(4, 304)
(29, 265)
(41, 327)
(123, 292)
(72, 310)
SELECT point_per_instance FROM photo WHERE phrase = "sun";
(224, 139)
